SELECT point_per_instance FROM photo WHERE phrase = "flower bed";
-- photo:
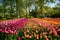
(52, 27)
(29, 29)
(12, 25)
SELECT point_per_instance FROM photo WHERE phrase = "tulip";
(19, 38)
(27, 36)
(30, 36)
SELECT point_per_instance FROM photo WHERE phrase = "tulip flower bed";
(54, 28)
(29, 29)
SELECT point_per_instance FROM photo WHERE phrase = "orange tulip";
(40, 36)
(30, 36)
(44, 33)
(27, 36)
(47, 39)
(37, 37)
(35, 34)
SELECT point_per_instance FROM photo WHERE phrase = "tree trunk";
(3, 8)
(36, 9)
(17, 9)
(11, 11)
(29, 11)
(41, 9)
(26, 9)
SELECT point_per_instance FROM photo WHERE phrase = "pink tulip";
(19, 38)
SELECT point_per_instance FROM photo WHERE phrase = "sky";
(52, 4)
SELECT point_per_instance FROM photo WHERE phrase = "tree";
(19, 6)
(29, 4)
(58, 4)
(0, 9)
(41, 4)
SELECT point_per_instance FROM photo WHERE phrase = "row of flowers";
(11, 26)
(53, 20)
(39, 33)
(52, 27)
(29, 29)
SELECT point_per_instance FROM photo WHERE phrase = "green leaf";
(21, 33)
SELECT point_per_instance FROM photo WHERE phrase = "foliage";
(23, 8)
